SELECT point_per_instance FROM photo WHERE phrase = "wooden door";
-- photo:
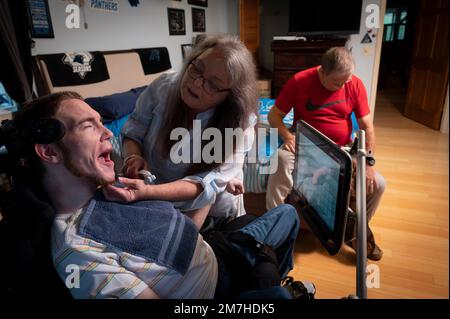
(249, 25)
(429, 71)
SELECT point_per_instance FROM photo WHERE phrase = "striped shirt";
(105, 272)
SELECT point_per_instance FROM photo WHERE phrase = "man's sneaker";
(299, 289)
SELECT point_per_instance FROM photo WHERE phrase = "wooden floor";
(411, 224)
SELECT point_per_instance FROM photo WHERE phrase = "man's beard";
(69, 163)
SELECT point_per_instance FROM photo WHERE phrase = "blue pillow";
(265, 105)
(115, 106)
(115, 126)
(6, 102)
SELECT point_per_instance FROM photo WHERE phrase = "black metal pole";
(361, 233)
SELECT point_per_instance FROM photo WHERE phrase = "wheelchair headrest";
(39, 131)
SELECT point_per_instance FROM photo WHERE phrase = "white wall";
(364, 54)
(134, 27)
(275, 21)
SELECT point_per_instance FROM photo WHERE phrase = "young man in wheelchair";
(146, 249)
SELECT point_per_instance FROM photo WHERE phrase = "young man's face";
(85, 146)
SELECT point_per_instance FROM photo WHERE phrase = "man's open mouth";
(105, 158)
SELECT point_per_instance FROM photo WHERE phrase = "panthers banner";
(105, 5)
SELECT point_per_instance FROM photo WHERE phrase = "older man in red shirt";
(325, 97)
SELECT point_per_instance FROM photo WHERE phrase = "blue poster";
(40, 21)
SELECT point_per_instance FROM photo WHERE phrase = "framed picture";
(177, 25)
(186, 50)
(39, 19)
(198, 20)
(201, 3)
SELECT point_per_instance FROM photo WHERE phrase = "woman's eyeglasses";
(195, 71)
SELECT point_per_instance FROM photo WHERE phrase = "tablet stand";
(361, 232)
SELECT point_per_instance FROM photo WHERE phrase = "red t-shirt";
(329, 112)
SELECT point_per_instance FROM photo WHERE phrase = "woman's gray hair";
(235, 111)
(338, 60)
(241, 68)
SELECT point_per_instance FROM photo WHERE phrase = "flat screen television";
(324, 18)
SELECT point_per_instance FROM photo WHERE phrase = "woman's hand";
(131, 191)
(235, 187)
(133, 164)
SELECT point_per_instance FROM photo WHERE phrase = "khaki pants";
(280, 184)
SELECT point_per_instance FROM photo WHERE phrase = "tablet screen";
(322, 175)
(318, 180)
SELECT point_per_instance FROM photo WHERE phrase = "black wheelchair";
(25, 222)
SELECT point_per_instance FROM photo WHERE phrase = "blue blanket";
(153, 230)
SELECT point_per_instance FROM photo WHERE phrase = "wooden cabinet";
(290, 57)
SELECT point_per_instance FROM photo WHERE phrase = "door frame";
(446, 112)
(376, 64)
(443, 125)
(444, 120)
